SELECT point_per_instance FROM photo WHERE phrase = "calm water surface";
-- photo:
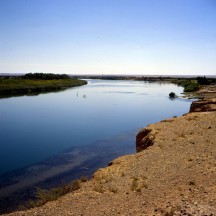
(34, 128)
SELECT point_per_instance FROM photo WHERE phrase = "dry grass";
(43, 196)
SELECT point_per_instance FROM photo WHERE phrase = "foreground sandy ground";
(176, 175)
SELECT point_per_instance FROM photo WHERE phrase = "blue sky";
(153, 37)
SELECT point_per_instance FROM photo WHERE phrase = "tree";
(202, 80)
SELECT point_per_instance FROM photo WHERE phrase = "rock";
(144, 139)
(203, 106)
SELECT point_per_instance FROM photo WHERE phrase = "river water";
(34, 128)
(55, 137)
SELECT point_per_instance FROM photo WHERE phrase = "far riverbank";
(34, 84)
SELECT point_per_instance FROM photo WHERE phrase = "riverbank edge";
(31, 87)
(122, 176)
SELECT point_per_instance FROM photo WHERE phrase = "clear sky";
(153, 37)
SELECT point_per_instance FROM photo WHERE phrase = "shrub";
(135, 186)
(202, 80)
(191, 87)
(43, 195)
(99, 188)
(172, 95)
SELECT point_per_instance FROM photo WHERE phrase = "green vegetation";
(31, 84)
(45, 76)
(206, 81)
(194, 84)
(189, 85)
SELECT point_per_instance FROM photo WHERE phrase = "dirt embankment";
(174, 175)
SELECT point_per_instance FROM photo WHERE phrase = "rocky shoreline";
(172, 173)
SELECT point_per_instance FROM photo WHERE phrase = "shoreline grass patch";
(43, 196)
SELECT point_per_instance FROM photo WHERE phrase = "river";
(79, 129)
